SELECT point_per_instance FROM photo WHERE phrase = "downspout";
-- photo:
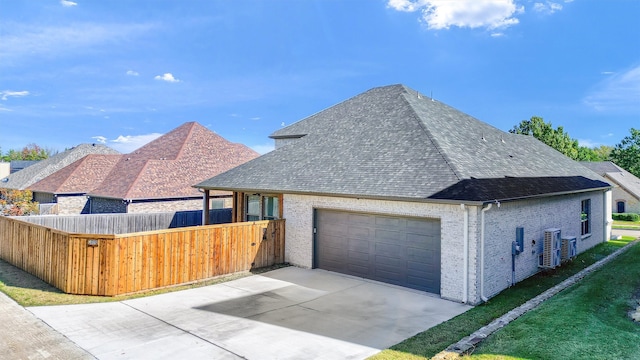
(482, 296)
(465, 251)
(607, 215)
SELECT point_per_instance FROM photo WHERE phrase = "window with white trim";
(585, 217)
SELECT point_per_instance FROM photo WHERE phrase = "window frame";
(264, 200)
(585, 217)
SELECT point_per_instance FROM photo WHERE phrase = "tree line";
(29, 152)
(625, 154)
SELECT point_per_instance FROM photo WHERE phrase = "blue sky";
(124, 72)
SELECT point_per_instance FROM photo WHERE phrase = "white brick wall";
(632, 205)
(71, 205)
(534, 216)
(500, 223)
(298, 211)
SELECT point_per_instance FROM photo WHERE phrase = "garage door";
(397, 250)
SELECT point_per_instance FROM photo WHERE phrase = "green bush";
(626, 217)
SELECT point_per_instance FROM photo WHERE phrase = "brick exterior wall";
(164, 206)
(500, 223)
(298, 211)
(632, 205)
(107, 206)
(534, 216)
(72, 205)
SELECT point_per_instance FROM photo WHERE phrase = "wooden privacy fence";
(110, 265)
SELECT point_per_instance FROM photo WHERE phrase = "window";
(620, 205)
(262, 207)
(585, 217)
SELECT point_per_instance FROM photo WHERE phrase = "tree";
(626, 154)
(17, 202)
(556, 138)
(29, 152)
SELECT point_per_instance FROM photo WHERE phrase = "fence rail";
(110, 265)
(127, 223)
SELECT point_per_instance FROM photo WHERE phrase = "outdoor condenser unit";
(551, 246)
(569, 249)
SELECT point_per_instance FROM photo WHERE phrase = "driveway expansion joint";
(183, 330)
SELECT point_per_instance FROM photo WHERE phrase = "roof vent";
(502, 139)
(483, 139)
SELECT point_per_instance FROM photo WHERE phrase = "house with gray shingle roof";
(397, 187)
(28, 176)
(626, 193)
(158, 177)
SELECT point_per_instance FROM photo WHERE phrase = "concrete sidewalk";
(289, 313)
(23, 336)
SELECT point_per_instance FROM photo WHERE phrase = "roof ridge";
(135, 180)
(430, 136)
(185, 141)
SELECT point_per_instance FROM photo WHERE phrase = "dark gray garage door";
(398, 250)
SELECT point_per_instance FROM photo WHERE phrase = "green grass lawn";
(587, 321)
(436, 339)
(627, 225)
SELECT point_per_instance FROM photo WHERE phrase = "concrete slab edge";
(469, 342)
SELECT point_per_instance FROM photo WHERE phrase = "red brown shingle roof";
(168, 166)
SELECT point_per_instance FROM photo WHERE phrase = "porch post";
(205, 207)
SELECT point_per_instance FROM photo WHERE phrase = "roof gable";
(626, 180)
(394, 142)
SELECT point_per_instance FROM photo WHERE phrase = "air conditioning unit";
(569, 250)
(551, 246)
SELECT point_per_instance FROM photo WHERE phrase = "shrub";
(626, 217)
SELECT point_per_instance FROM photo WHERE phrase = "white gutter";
(465, 251)
(482, 296)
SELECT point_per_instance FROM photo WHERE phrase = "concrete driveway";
(290, 313)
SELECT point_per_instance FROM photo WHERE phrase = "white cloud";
(406, 5)
(128, 143)
(547, 7)
(21, 42)
(4, 95)
(442, 14)
(132, 73)
(100, 139)
(255, 118)
(618, 92)
(168, 77)
(263, 149)
(67, 3)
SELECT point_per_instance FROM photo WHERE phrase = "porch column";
(206, 199)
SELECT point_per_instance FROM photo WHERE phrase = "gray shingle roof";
(24, 178)
(391, 142)
(616, 174)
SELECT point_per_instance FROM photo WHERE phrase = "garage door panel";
(358, 232)
(387, 249)
(397, 250)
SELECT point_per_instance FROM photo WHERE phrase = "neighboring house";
(5, 169)
(626, 195)
(397, 187)
(69, 186)
(17, 165)
(159, 176)
(28, 176)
